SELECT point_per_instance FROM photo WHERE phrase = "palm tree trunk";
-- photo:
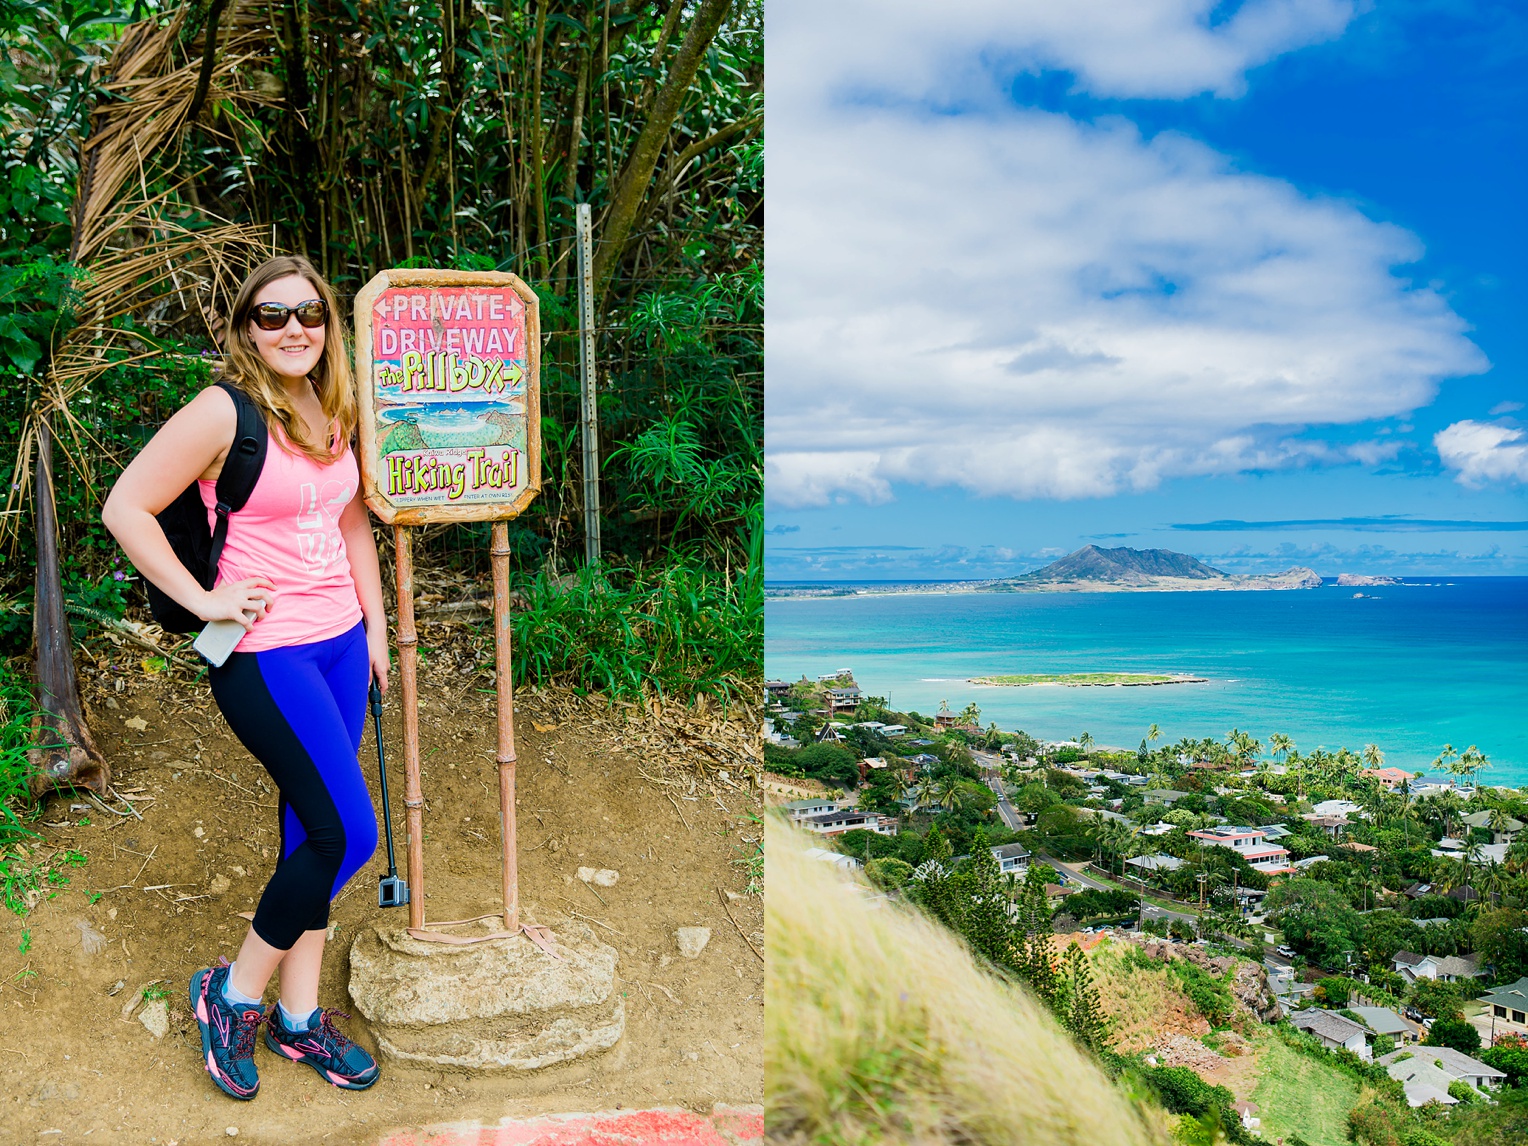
(64, 754)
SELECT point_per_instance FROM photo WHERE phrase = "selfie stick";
(391, 891)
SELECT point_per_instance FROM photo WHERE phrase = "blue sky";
(1241, 280)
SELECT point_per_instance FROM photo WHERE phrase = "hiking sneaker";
(228, 1033)
(325, 1049)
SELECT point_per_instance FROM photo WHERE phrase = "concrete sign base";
(505, 1004)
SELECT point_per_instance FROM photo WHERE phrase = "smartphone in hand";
(217, 640)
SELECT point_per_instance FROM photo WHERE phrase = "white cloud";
(1127, 48)
(1484, 452)
(1018, 303)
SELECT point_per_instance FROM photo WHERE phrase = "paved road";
(1005, 809)
(1152, 910)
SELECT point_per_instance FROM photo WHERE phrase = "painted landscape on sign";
(449, 371)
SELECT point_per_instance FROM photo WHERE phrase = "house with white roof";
(1334, 1031)
(1159, 862)
(1454, 1063)
(1423, 1081)
(1249, 843)
(1384, 1021)
(800, 809)
(1451, 848)
(1449, 968)
(841, 820)
(1012, 859)
(847, 863)
(1336, 808)
(1504, 834)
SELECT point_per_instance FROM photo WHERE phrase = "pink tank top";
(289, 531)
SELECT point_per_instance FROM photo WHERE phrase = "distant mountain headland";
(1089, 570)
(1357, 580)
(1092, 569)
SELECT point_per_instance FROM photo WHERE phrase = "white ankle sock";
(234, 995)
(294, 1022)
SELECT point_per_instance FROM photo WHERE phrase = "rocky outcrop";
(1297, 577)
(1249, 984)
(1361, 580)
(1253, 992)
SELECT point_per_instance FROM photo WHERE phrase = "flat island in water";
(1089, 679)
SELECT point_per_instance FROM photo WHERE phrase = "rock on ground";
(692, 940)
(493, 1005)
(156, 1017)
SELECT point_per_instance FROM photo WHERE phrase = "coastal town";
(1313, 905)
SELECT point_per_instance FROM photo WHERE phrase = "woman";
(299, 572)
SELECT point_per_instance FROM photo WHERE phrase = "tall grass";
(17, 876)
(881, 1028)
(678, 629)
(15, 737)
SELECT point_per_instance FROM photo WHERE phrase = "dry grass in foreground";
(880, 1028)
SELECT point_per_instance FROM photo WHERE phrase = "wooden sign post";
(448, 380)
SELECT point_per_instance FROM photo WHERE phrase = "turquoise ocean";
(1409, 667)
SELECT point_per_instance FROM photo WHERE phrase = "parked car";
(1285, 950)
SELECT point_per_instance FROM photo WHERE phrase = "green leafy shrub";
(1333, 992)
(1211, 995)
(889, 873)
(1455, 1033)
(1182, 1091)
(1511, 1060)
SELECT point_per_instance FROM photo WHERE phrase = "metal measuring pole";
(589, 410)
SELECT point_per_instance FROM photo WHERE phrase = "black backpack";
(184, 520)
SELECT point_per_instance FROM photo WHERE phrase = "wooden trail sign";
(447, 368)
(448, 372)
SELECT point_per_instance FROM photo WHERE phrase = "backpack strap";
(241, 470)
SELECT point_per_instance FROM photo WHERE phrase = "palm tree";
(1373, 756)
(927, 792)
(1449, 806)
(1085, 741)
(1405, 791)
(1139, 846)
(1243, 747)
(1280, 745)
(1500, 820)
(1119, 840)
(1097, 831)
(948, 795)
(1448, 760)
(1473, 761)
(1153, 733)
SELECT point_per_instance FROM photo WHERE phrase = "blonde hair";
(243, 366)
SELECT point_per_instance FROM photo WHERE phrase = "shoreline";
(1060, 680)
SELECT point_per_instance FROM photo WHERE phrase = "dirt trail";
(69, 1062)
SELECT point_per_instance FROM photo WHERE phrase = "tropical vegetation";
(1391, 864)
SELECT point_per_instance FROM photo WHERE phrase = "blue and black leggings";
(299, 710)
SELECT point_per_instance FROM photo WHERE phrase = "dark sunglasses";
(274, 315)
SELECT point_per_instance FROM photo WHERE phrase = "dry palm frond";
(152, 85)
(145, 250)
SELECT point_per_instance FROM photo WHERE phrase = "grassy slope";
(1297, 1095)
(1142, 1004)
(881, 1029)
